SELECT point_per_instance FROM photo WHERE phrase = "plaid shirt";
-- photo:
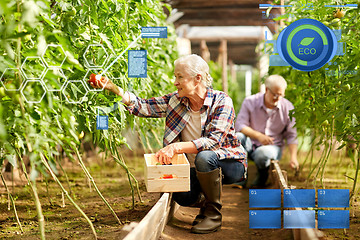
(217, 121)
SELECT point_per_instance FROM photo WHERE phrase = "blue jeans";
(260, 155)
(206, 161)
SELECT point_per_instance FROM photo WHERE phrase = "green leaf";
(306, 41)
(12, 160)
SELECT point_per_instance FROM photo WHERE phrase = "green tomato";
(336, 22)
(325, 123)
(16, 98)
(347, 87)
(81, 135)
(10, 86)
(2, 92)
(27, 37)
(71, 12)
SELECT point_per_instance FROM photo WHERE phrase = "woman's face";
(184, 82)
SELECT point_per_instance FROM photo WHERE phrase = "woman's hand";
(102, 82)
(165, 154)
(105, 83)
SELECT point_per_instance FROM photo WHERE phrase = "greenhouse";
(179, 119)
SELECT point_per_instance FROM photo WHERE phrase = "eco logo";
(307, 44)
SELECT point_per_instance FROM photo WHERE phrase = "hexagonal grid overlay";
(54, 79)
(87, 77)
(12, 79)
(33, 68)
(75, 91)
(33, 91)
(115, 70)
(95, 56)
(54, 55)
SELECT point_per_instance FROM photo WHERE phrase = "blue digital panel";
(102, 122)
(304, 198)
(333, 219)
(265, 219)
(264, 198)
(276, 60)
(137, 61)
(333, 198)
(154, 32)
(299, 218)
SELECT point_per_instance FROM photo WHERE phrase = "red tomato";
(92, 78)
(167, 176)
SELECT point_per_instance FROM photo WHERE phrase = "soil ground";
(236, 207)
(235, 212)
(66, 222)
(339, 174)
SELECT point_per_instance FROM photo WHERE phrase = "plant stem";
(308, 154)
(117, 160)
(156, 137)
(67, 194)
(36, 198)
(317, 164)
(148, 142)
(328, 155)
(120, 160)
(66, 176)
(18, 47)
(142, 141)
(326, 158)
(62, 199)
(47, 191)
(356, 174)
(12, 201)
(91, 179)
(134, 179)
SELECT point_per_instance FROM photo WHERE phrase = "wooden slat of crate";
(168, 185)
(155, 172)
(180, 170)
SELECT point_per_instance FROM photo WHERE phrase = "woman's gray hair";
(275, 80)
(196, 65)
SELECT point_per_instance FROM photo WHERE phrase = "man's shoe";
(240, 185)
(261, 178)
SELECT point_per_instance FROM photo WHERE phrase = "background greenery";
(326, 102)
(39, 130)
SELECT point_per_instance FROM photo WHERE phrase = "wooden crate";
(154, 174)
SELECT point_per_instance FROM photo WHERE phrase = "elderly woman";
(199, 123)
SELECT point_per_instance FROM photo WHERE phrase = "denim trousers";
(260, 155)
(206, 161)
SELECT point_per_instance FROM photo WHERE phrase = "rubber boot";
(261, 178)
(199, 204)
(199, 217)
(211, 186)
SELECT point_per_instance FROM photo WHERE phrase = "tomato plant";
(37, 128)
(329, 96)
